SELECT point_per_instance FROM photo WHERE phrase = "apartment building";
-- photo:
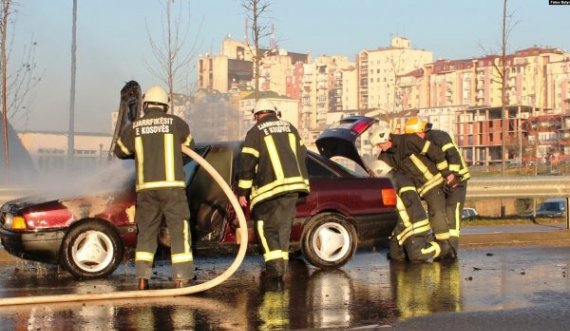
(323, 84)
(234, 66)
(537, 84)
(379, 73)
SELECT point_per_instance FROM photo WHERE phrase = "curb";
(547, 238)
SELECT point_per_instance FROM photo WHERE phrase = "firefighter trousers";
(172, 205)
(274, 218)
(454, 201)
(435, 199)
(412, 237)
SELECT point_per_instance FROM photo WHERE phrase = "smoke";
(110, 177)
(214, 119)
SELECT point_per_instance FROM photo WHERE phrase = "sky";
(113, 44)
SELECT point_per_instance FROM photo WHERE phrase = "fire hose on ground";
(159, 292)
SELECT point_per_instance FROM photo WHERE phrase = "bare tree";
(173, 60)
(501, 75)
(507, 26)
(5, 20)
(22, 81)
(256, 11)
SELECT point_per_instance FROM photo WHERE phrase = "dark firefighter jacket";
(454, 160)
(272, 161)
(154, 141)
(420, 159)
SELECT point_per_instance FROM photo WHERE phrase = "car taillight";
(388, 196)
(360, 127)
(18, 223)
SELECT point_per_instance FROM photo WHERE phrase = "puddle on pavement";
(369, 291)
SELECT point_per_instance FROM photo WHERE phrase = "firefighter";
(425, 164)
(273, 174)
(411, 237)
(456, 186)
(154, 141)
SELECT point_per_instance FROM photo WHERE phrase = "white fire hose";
(162, 292)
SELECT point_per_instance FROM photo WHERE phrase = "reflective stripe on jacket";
(421, 160)
(154, 142)
(452, 154)
(272, 161)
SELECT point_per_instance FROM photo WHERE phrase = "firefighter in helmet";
(425, 164)
(273, 174)
(411, 237)
(456, 183)
(154, 141)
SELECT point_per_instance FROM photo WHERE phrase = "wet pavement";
(369, 292)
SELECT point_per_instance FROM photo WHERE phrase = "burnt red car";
(88, 234)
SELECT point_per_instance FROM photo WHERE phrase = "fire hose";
(160, 292)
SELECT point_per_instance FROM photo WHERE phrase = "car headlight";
(8, 220)
(14, 222)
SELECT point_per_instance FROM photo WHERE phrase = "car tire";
(328, 241)
(91, 250)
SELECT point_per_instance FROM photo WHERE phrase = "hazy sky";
(113, 45)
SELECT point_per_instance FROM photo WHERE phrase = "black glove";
(447, 188)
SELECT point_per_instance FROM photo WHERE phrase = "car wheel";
(91, 250)
(329, 241)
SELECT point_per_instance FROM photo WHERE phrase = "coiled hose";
(162, 292)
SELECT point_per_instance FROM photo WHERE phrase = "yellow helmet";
(414, 125)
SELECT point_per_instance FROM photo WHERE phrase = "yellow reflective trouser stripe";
(186, 236)
(454, 167)
(416, 228)
(405, 189)
(245, 183)
(261, 234)
(123, 148)
(457, 219)
(249, 150)
(433, 247)
(425, 149)
(161, 184)
(274, 157)
(442, 236)
(269, 255)
(182, 257)
(144, 256)
(273, 255)
(402, 212)
(140, 161)
(169, 157)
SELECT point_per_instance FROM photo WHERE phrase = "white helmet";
(156, 95)
(263, 105)
(380, 168)
(380, 135)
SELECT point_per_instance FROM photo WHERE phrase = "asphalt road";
(495, 285)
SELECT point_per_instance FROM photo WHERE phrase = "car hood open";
(339, 139)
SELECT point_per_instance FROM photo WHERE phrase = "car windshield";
(551, 206)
